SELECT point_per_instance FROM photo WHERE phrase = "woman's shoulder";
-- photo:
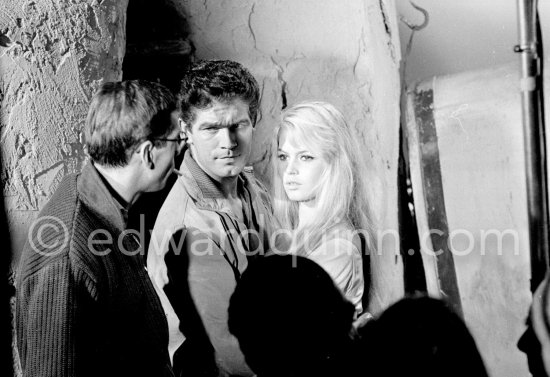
(341, 241)
(343, 231)
(339, 254)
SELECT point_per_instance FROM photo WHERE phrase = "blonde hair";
(341, 191)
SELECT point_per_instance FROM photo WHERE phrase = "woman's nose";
(291, 167)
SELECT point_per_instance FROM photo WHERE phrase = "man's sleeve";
(158, 272)
(47, 314)
(163, 241)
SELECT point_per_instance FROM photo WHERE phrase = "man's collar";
(98, 194)
(116, 196)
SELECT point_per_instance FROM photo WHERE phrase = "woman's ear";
(146, 153)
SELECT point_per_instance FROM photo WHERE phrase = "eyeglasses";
(180, 139)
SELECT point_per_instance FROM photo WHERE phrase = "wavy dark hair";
(217, 80)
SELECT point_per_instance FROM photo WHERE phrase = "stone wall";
(53, 55)
(319, 49)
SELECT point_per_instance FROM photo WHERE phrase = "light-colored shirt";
(340, 256)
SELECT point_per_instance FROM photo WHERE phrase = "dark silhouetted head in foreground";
(291, 320)
(421, 336)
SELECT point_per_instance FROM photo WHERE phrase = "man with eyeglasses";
(215, 221)
(85, 303)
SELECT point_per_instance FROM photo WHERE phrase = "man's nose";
(228, 139)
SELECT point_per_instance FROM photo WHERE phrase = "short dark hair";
(122, 115)
(220, 80)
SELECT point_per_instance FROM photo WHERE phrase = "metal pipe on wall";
(534, 140)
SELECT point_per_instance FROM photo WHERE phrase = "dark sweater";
(86, 313)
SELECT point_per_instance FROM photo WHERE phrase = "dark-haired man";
(85, 304)
(214, 221)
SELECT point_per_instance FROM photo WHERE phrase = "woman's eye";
(306, 157)
(282, 157)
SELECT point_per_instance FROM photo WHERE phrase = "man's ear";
(187, 130)
(146, 153)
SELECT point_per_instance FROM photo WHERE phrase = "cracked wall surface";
(53, 56)
(320, 49)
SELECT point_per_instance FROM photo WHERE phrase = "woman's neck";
(307, 212)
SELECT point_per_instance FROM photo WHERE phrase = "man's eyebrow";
(223, 124)
(210, 124)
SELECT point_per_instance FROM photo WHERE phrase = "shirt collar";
(99, 196)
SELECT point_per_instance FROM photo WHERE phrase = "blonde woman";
(320, 193)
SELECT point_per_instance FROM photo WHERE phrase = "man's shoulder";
(172, 215)
(176, 201)
(62, 228)
(69, 210)
(54, 223)
(64, 196)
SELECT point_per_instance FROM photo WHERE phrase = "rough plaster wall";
(480, 139)
(60, 52)
(347, 54)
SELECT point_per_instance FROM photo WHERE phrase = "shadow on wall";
(157, 44)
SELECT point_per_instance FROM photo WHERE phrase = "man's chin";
(229, 171)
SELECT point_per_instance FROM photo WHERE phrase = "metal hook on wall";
(412, 26)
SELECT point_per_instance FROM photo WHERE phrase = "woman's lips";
(292, 185)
